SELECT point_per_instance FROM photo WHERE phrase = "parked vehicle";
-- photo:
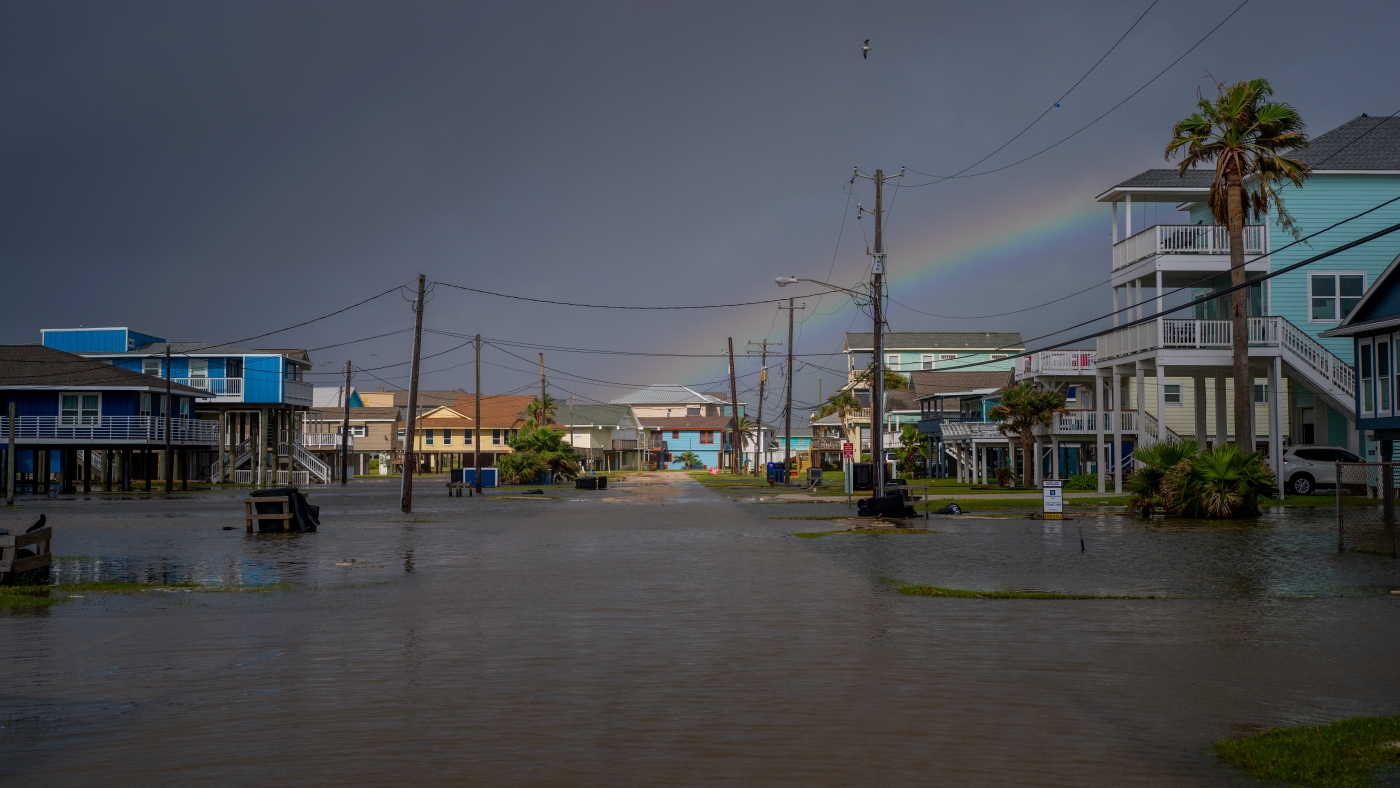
(1306, 468)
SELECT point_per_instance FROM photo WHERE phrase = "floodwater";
(659, 633)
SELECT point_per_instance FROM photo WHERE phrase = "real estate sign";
(1052, 495)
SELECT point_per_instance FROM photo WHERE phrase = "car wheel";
(1301, 484)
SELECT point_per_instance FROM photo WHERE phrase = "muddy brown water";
(659, 633)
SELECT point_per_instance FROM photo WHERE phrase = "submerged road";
(660, 633)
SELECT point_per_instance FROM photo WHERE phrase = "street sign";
(848, 450)
(1053, 498)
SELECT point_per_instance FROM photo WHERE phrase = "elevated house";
(80, 422)
(1373, 326)
(706, 436)
(1171, 374)
(258, 396)
(611, 437)
(445, 437)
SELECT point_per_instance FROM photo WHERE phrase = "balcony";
(1185, 239)
(230, 389)
(1056, 362)
(320, 441)
(296, 392)
(141, 430)
(624, 445)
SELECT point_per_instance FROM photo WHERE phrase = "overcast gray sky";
(209, 171)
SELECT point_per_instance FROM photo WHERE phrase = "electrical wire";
(396, 288)
(615, 306)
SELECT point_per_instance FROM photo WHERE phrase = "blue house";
(83, 420)
(1373, 326)
(259, 396)
(706, 436)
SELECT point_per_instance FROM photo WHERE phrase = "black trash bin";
(602, 482)
(586, 483)
(862, 476)
(893, 506)
(305, 517)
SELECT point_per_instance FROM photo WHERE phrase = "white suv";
(1308, 467)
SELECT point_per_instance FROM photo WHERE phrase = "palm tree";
(1242, 133)
(745, 428)
(913, 449)
(893, 380)
(689, 459)
(1022, 407)
(550, 408)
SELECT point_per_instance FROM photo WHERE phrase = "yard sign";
(1054, 500)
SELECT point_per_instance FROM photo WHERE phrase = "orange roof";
(498, 411)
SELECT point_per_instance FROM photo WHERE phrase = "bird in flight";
(865, 50)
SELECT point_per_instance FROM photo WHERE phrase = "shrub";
(1083, 482)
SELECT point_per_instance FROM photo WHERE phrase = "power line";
(1110, 110)
(613, 306)
(298, 325)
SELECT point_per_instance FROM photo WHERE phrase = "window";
(447, 437)
(150, 366)
(1367, 391)
(947, 356)
(675, 435)
(999, 356)
(1071, 393)
(146, 404)
(926, 361)
(184, 408)
(233, 368)
(892, 362)
(707, 436)
(1333, 296)
(692, 411)
(1261, 393)
(68, 409)
(1173, 393)
(495, 437)
(359, 430)
(1383, 374)
(467, 437)
(199, 367)
(76, 409)
(427, 437)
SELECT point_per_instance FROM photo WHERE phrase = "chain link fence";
(1369, 529)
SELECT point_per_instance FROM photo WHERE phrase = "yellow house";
(445, 437)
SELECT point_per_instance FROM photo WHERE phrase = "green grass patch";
(966, 593)
(1341, 754)
(865, 531)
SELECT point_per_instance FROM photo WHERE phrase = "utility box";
(862, 476)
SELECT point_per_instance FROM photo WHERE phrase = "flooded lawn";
(660, 633)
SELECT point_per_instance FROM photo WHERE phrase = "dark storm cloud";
(210, 171)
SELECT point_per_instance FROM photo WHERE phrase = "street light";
(784, 281)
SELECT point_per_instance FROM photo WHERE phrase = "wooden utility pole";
(787, 412)
(476, 441)
(877, 369)
(406, 502)
(541, 418)
(169, 455)
(762, 390)
(734, 436)
(345, 430)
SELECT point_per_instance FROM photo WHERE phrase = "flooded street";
(663, 633)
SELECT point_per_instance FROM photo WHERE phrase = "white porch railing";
(1066, 362)
(321, 441)
(1085, 422)
(971, 430)
(1185, 239)
(216, 387)
(143, 429)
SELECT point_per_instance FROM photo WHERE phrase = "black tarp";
(888, 506)
(305, 517)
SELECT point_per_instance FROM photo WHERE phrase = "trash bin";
(814, 477)
(602, 482)
(862, 476)
(586, 483)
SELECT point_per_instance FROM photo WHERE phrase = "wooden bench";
(459, 486)
(286, 515)
(10, 565)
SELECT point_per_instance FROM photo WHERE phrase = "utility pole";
(10, 458)
(787, 411)
(877, 381)
(345, 430)
(169, 455)
(406, 502)
(762, 388)
(542, 418)
(476, 442)
(734, 436)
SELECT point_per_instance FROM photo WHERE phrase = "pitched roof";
(428, 398)
(36, 366)
(828, 421)
(206, 349)
(590, 415)
(686, 422)
(1363, 317)
(362, 414)
(498, 411)
(1170, 178)
(937, 340)
(932, 381)
(664, 394)
(901, 399)
(722, 396)
(1361, 143)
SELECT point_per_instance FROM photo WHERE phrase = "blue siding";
(137, 339)
(262, 379)
(35, 403)
(86, 340)
(1323, 200)
(133, 364)
(120, 403)
(179, 367)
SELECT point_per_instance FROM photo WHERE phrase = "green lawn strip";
(865, 531)
(965, 593)
(1340, 754)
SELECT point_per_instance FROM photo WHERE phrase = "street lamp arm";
(784, 281)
